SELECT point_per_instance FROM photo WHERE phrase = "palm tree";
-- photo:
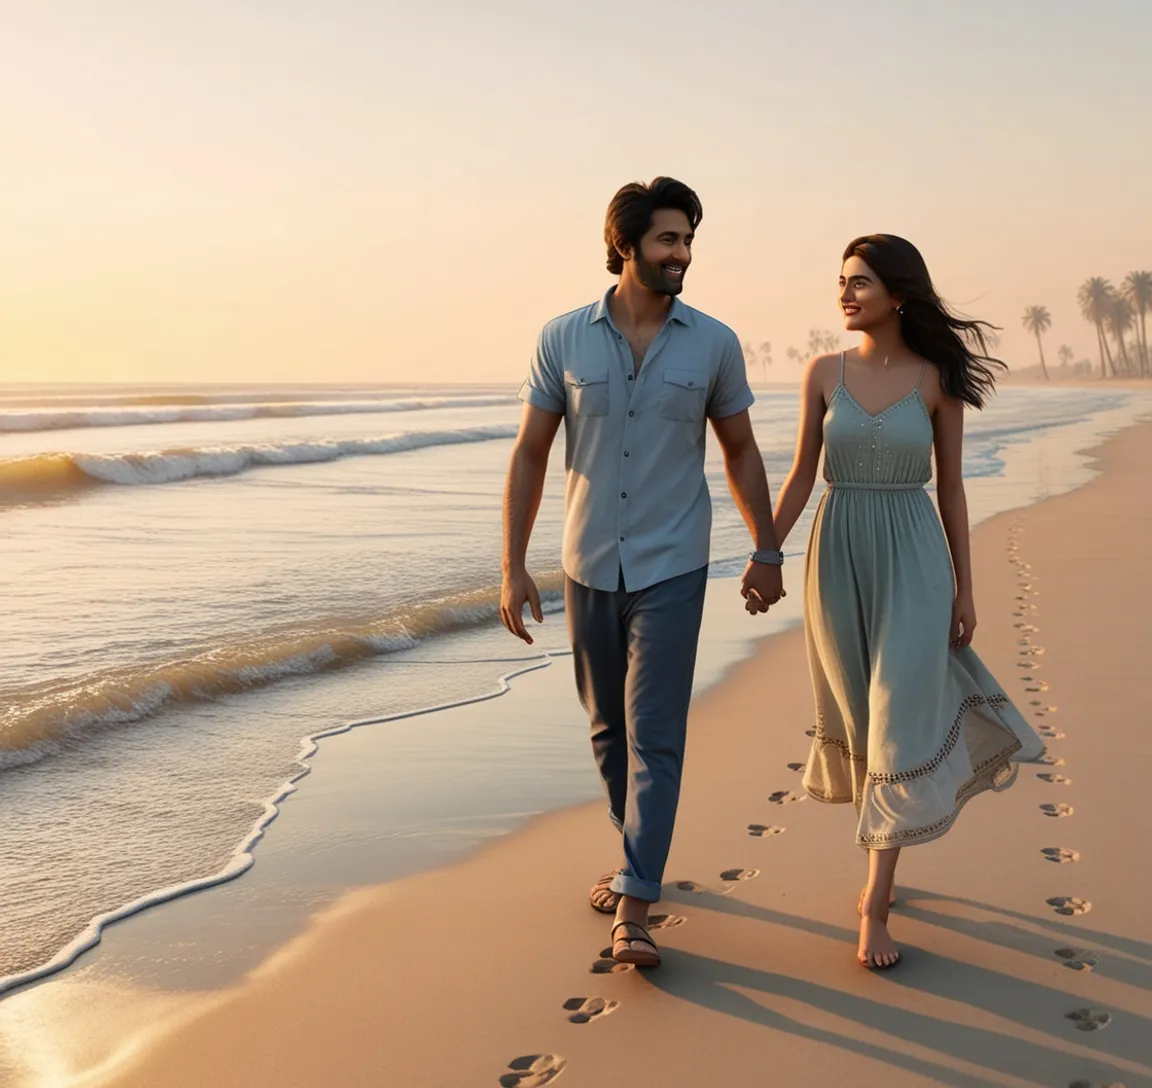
(765, 358)
(1138, 290)
(1066, 356)
(1095, 298)
(749, 354)
(1120, 321)
(796, 355)
(1037, 320)
(822, 340)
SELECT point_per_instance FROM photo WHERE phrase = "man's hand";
(517, 590)
(761, 587)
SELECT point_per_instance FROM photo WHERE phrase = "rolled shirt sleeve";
(730, 392)
(544, 386)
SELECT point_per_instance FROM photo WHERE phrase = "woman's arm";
(797, 488)
(948, 431)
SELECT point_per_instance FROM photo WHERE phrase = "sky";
(395, 191)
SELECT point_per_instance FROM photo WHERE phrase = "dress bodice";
(890, 449)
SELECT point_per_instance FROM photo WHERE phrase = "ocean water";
(196, 580)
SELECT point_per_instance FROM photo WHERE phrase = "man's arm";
(522, 494)
(762, 584)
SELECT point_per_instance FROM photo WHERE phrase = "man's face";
(665, 252)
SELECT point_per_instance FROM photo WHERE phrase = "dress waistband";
(852, 486)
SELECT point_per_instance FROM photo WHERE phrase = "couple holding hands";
(909, 724)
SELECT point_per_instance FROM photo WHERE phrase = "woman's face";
(863, 298)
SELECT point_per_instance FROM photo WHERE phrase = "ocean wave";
(51, 477)
(35, 723)
(56, 419)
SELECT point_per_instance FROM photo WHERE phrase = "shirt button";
(623, 494)
(629, 377)
(631, 413)
(621, 540)
(627, 454)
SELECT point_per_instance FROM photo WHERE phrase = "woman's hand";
(963, 621)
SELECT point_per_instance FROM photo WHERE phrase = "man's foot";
(860, 901)
(877, 950)
(632, 943)
(602, 897)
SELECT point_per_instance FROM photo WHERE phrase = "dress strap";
(923, 368)
(841, 368)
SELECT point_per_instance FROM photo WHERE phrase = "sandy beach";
(1027, 947)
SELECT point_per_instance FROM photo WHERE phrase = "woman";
(909, 724)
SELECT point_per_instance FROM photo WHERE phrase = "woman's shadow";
(715, 984)
(1010, 929)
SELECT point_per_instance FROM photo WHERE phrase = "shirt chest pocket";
(683, 395)
(587, 391)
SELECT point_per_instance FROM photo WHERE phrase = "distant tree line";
(1120, 318)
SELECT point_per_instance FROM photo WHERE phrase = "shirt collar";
(679, 312)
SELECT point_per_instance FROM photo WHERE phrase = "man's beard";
(654, 278)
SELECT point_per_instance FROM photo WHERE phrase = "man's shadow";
(711, 982)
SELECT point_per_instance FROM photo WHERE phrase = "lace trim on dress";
(969, 702)
(984, 778)
(823, 739)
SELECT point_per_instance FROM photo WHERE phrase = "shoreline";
(713, 707)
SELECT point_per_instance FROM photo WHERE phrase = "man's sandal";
(625, 950)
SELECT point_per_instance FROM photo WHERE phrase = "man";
(635, 377)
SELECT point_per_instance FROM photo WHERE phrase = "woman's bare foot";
(877, 949)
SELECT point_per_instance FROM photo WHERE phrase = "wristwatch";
(772, 556)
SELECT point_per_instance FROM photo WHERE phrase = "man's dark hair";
(630, 214)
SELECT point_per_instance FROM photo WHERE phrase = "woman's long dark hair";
(958, 346)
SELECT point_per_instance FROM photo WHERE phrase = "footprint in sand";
(586, 1009)
(761, 831)
(1027, 665)
(606, 965)
(533, 1070)
(1050, 733)
(785, 797)
(1095, 1084)
(1059, 855)
(1078, 959)
(665, 921)
(732, 876)
(1032, 651)
(795, 766)
(1055, 779)
(1057, 810)
(1089, 1019)
(1051, 761)
(1069, 904)
(809, 732)
(1041, 685)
